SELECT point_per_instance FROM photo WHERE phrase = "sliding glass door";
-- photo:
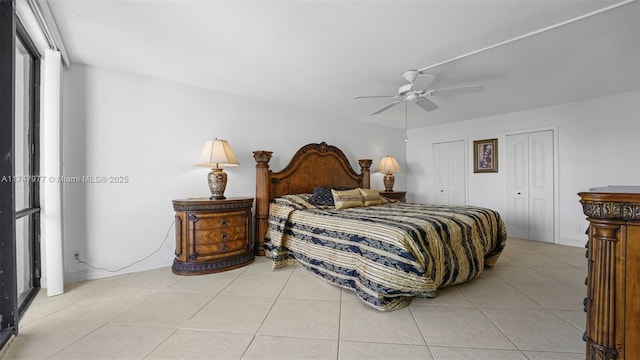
(8, 295)
(19, 172)
(26, 175)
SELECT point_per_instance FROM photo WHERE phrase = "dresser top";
(204, 204)
(612, 194)
(207, 200)
(618, 189)
(612, 202)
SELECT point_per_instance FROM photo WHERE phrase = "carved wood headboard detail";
(312, 165)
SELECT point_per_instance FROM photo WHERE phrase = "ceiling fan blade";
(374, 96)
(387, 107)
(423, 81)
(426, 104)
(457, 90)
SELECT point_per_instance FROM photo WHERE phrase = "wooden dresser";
(212, 235)
(613, 283)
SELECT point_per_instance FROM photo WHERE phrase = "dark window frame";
(8, 275)
(11, 308)
(33, 211)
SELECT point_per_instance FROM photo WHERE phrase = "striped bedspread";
(387, 253)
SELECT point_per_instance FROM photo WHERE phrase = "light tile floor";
(528, 307)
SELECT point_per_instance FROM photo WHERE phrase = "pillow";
(347, 199)
(322, 196)
(371, 197)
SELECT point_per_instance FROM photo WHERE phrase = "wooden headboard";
(312, 165)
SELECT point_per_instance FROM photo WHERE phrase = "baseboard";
(572, 242)
(93, 274)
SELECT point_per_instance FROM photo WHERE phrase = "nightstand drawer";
(219, 221)
(220, 235)
(227, 248)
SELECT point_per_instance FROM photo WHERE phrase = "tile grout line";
(420, 330)
(492, 323)
(80, 338)
(339, 324)
(162, 342)
(267, 314)
(215, 296)
(550, 311)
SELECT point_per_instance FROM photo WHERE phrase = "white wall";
(152, 131)
(597, 143)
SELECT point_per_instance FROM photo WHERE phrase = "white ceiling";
(318, 54)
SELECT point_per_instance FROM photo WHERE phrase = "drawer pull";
(224, 248)
(224, 222)
(224, 236)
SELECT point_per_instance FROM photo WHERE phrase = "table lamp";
(215, 155)
(388, 165)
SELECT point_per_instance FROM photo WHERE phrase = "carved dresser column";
(613, 280)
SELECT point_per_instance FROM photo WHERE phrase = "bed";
(386, 251)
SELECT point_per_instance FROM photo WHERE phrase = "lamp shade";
(388, 164)
(216, 154)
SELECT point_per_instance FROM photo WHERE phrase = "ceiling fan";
(420, 97)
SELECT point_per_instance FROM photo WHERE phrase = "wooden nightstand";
(212, 235)
(396, 195)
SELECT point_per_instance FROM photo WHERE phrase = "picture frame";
(485, 156)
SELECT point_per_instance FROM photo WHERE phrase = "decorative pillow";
(371, 197)
(343, 188)
(347, 199)
(322, 196)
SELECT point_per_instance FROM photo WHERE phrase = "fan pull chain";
(406, 126)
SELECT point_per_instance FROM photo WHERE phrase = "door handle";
(519, 194)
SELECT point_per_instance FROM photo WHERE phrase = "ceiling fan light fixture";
(410, 75)
(405, 89)
(411, 96)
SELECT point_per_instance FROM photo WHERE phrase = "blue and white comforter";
(387, 253)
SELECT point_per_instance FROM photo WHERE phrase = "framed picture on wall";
(485, 156)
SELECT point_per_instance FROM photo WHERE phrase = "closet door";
(518, 186)
(449, 173)
(530, 205)
(541, 205)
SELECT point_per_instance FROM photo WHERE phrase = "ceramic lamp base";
(388, 180)
(217, 184)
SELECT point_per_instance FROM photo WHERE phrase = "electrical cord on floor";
(77, 256)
